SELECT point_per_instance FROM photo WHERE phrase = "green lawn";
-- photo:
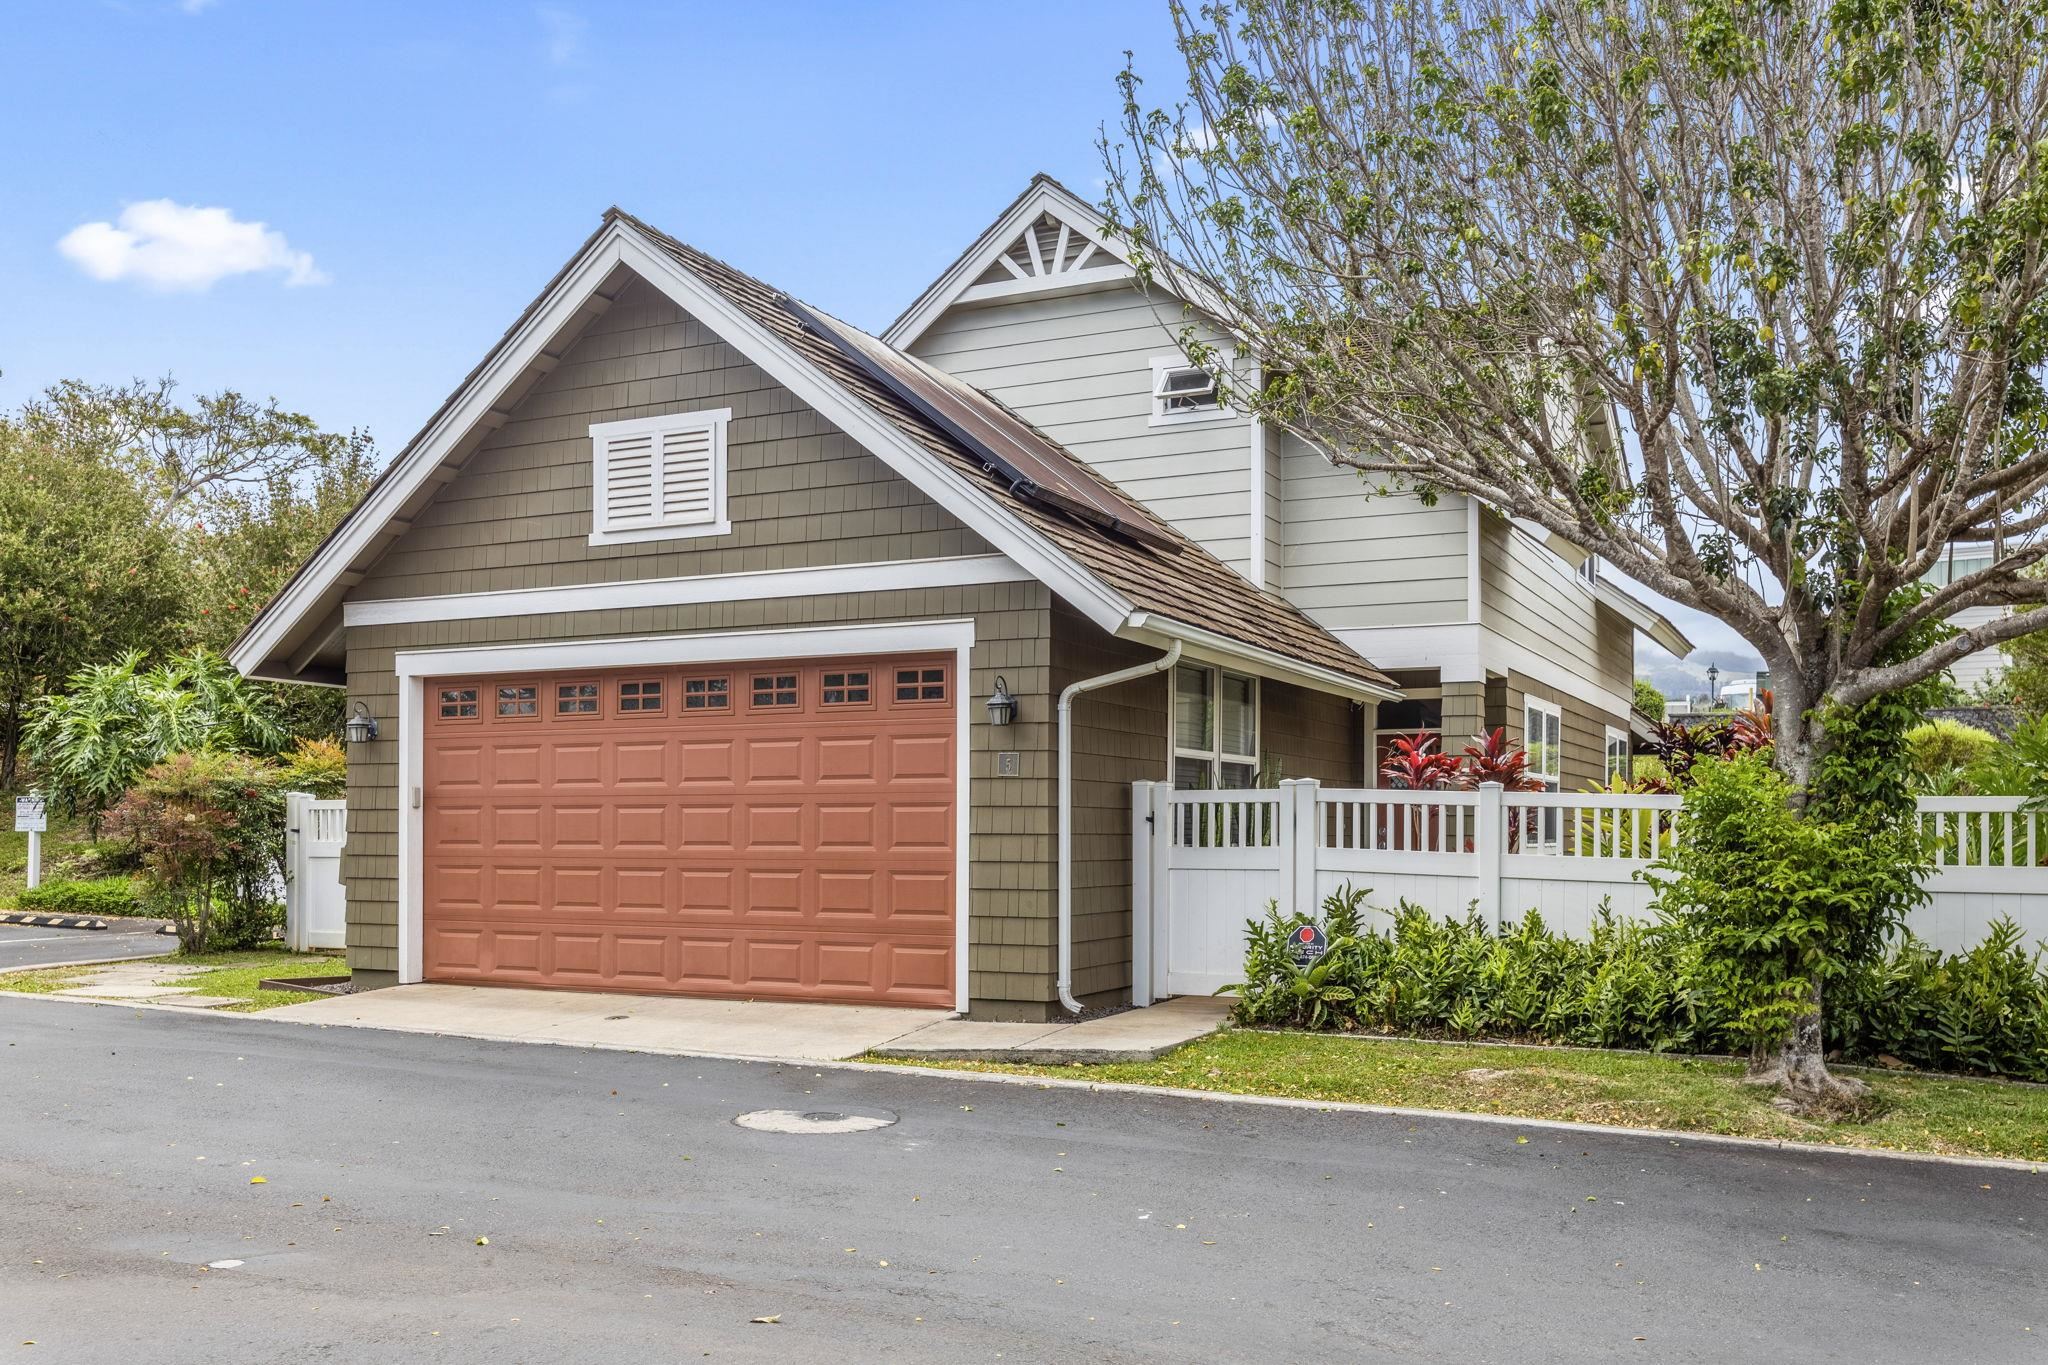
(64, 842)
(230, 974)
(1959, 1117)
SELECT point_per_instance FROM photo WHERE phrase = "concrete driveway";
(624, 1216)
(31, 945)
(641, 1023)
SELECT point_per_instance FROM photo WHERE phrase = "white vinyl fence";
(1203, 862)
(315, 908)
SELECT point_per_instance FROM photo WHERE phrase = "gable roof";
(1004, 263)
(1157, 586)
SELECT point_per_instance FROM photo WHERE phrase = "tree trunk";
(1798, 1069)
(1798, 1065)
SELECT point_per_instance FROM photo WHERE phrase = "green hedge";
(100, 896)
(1634, 985)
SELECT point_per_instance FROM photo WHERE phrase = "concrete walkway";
(751, 1028)
(154, 982)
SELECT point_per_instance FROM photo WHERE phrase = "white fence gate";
(1203, 862)
(315, 909)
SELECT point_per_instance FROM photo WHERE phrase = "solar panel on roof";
(1035, 468)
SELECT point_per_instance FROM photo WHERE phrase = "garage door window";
(459, 703)
(576, 699)
(644, 695)
(519, 700)
(707, 694)
(774, 689)
(920, 684)
(846, 689)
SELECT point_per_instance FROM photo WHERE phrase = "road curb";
(1673, 1136)
(51, 921)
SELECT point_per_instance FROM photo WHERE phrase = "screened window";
(1215, 728)
(774, 689)
(707, 694)
(846, 689)
(458, 703)
(642, 695)
(575, 699)
(920, 684)
(519, 701)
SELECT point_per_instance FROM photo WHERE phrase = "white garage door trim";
(415, 666)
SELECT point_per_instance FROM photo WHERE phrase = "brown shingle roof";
(1192, 586)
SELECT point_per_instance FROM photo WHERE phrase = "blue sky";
(420, 170)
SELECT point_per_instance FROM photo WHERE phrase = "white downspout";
(1065, 813)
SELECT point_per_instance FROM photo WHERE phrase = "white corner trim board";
(415, 666)
(885, 576)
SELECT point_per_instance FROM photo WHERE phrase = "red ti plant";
(1490, 758)
(1413, 764)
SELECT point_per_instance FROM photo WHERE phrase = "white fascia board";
(1211, 647)
(883, 576)
(877, 434)
(644, 651)
(1641, 615)
(427, 453)
(1452, 649)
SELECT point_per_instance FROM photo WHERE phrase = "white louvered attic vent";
(659, 478)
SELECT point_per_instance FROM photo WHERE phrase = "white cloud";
(564, 30)
(172, 246)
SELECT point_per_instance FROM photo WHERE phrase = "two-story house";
(1482, 621)
(701, 643)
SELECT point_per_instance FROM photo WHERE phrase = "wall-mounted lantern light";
(1002, 707)
(360, 727)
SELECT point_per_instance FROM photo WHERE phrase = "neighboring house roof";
(1170, 590)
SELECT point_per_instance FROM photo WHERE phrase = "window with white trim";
(1215, 728)
(1543, 739)
(659, 478)
(1183, 393)
(1617, 754)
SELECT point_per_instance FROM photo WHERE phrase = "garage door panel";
(640, 827)
(576, 764)
(575, 828)
(798, 851)
(915, 758)
(769, 762)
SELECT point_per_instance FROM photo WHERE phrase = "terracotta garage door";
(773, 830)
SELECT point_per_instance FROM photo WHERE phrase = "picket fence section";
(315, 906)
(1203, 862)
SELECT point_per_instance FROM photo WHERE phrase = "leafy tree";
(1941, 746)
(1648, 699)
(212, 846)
(92, 742)
(83, 574)
(1746, 298)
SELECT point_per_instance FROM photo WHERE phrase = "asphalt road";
(627, 1218)
(27, 945)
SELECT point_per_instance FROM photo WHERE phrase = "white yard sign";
(31, 815)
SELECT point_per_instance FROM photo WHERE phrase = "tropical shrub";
(1414, 763)
(212, 848)
(90, 743)
(1490, 758)
(1942, 746)
(1631, 984)
(97, 896)
(1780, 904)
(318, 767)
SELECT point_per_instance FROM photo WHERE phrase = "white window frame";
(1166, 365)
(1546, 835)
(1616, 738)
(602, 434)
(1214, 755)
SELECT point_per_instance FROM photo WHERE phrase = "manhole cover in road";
(815, 1121)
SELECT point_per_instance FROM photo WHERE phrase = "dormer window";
(659, 478)
(1183, 393)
